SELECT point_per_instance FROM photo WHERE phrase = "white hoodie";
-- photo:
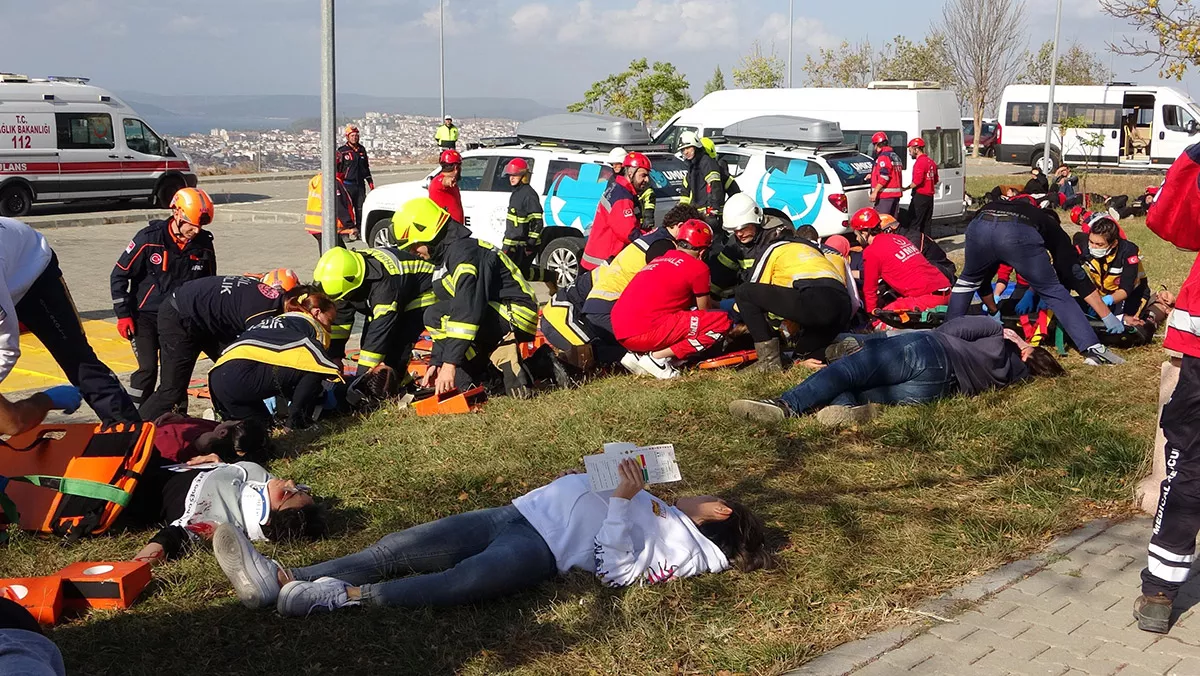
(622, 541)
(24, 255)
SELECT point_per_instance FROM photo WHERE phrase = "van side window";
(1176, 118)
(861, 139)
(499, 181)
(952, 149)
(84, 130)
(139, 138)
(470, 177)
(671, 140)
(735, 163)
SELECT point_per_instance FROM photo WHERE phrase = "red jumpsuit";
(893, 259)
(655, 310)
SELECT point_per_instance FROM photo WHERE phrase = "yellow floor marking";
(36, 369)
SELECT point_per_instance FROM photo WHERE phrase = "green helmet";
(339, 272)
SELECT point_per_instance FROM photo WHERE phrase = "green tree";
(758, 70)
(903, 59)
(1076, 66)
(1174, 28)
(716, 84)
(643, 92)
(845, 66)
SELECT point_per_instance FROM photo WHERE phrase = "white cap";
(617, 155)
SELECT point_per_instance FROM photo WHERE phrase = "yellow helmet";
(340, 271)
(418, 221)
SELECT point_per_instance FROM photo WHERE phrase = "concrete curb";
(849, 657)
(305, 175)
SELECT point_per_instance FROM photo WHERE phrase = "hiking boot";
(254, 577)
(1153, 613)
(518, 385)
(762, 410)
(839, 416)
(301, 599)
(659, 368)
(1099, 355)
(581, 357)
(842, 348)
(769, 360)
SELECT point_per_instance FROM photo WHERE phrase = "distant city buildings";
(391, 139)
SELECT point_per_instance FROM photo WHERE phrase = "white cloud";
(531, 20)
(690, 25)
(808, 34)
(1072, 9)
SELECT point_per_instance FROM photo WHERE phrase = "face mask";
(1098, 253)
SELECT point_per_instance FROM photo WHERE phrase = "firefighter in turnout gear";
(160, 257)
(707, 183)
(390, 288)
(484, 306)
(744, 221)
(355, 170)
(523, 229)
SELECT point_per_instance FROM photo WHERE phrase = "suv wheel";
(562, 255)
(379, 233)
(15, 200)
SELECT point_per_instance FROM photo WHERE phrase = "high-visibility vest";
(445, 133)
(312, 209)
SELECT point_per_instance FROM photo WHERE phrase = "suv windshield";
(851, 168)
(667, 174)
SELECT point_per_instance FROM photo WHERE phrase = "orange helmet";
(193, 205)
(351, 129)
(839, 244)
(281, 278)
(888, 222)
(865, 219)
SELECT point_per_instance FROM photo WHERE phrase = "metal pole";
(328, 132)
(791, 29)
(442, 52)
(1047, 159)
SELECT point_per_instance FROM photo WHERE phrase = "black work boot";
(769, 359)
(1153, 613)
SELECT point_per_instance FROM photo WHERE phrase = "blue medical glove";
(1113, 323)
(996, 317)
(1108, 300)
(1027, 303)
(65, 397)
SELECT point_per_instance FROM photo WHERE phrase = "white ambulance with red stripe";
(62, 139)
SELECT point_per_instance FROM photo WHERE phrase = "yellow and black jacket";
(789, 264)
(732, 264)
(395, 282)
(1121, 269)
(524, 220)
(293, 340)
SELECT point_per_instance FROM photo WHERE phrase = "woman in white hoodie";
(625, 538)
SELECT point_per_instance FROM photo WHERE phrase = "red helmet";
(516, 167)
(839, 243)
(865, 219)
(695, 233)
(450, 157)
(637, 161)
(1077, 215)
(879, 137)
(918, 142)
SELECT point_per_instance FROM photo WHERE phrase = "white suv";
(570, 180)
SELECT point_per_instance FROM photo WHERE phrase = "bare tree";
(983, 39)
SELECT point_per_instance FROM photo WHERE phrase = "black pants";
(494, 331)
(180, 347)
(48, 312)
(145, 348)
(1173, 539)
(921, 211)
(400, 344)
(820, 308)
(357, 192)
(526, 262)
(239, 387)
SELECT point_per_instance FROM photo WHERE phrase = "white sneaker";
(301, 599)
(660, 369)
(630, 362)
(254, 577)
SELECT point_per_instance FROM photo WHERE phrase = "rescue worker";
(205, 316)
(345, 211)
(743, 219)
(443, 188)
(617, 222)
(930, 249)
(1025, 237)
(1172, 548)
(34, 293)
(605, 284)
(159, 259)
(616, 160)
(390, 288)
(646, 199)
(523, 229)
(1114, 264)
(484, 306)
(654, 318)
(446, 135)
(355, 171)
(924, 182)
(281, 356)
(898, 263)
(707, 183)
(886, 177)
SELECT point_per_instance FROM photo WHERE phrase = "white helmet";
(688, 139)
(741, 210)
(617, 155)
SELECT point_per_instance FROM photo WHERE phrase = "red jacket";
(615, 226)
(449, 199)
(1172, 216)
(925, 176)
(897, 261)
(886, 173)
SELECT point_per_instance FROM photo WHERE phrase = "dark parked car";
(987, 140)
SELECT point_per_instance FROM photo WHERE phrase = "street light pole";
(442, 51)
(791, 29)
(328, 132)
(1047, 159)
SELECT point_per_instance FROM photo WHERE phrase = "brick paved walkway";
(1065, 611)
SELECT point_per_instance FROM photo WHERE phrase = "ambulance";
(62, 139)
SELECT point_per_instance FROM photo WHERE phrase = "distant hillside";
(188, 114)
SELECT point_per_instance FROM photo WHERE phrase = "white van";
(903, 109)
(63, 139)
(1127, 126)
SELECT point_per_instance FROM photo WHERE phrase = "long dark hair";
(741, 538)
(306, 522)
(1043, 364)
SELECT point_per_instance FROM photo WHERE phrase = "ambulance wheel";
(563, 256)
(165, 191)
(15, 200)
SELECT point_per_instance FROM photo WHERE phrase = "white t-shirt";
(24, 255)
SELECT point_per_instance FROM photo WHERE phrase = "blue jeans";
(911, 368)
(994, 238)
(457, 560)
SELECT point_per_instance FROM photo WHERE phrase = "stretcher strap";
(83, 488)
(32, 445)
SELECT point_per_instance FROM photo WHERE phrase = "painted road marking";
(37, 370)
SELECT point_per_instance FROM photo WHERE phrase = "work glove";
(1108, 300)
(125, 327)
(65, 397)
(995, 317)
(1113, 323)
(1028, 302)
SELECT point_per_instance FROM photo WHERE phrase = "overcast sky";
(547, 50)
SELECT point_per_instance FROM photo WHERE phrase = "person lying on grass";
(193, 500)
(626, 537)
(968, 355)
